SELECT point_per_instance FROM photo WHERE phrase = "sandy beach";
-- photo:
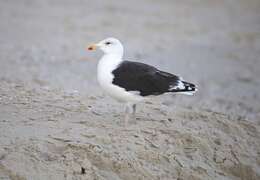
(56, 122)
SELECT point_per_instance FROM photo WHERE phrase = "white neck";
(106, 65)
(110, 59)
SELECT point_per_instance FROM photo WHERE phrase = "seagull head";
(108, 46)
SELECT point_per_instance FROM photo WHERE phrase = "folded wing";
(148, 80)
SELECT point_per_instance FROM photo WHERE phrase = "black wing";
(135, 76)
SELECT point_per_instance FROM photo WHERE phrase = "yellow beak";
(92, 47)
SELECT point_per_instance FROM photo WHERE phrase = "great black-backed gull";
(131, 82)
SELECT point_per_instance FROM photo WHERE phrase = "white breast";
(105, 78)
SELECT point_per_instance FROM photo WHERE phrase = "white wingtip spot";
(180, 85)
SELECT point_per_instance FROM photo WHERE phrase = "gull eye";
(107, 43)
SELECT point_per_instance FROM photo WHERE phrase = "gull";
(132, 82)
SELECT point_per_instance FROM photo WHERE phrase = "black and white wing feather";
(147, 80)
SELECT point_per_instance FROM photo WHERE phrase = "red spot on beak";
(92, 47)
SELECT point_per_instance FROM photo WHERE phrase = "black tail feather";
(189, 86)
(184, 87)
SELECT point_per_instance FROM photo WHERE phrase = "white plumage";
(106, 65)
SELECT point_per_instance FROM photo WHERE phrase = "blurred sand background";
(55, 120)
